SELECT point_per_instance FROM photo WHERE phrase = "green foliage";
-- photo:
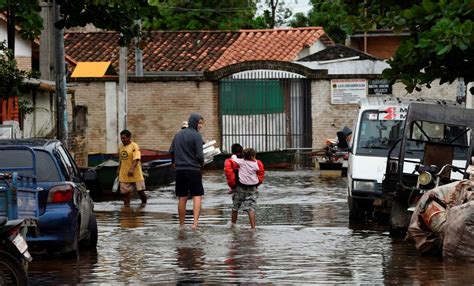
(10, 74)
(441, 39)
(331, 15)
(440, 45)
(25, 107)
(340, 18)
(26, 16)
(202, 15)
(115, 15)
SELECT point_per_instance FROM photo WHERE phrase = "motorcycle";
(332, 156)
(14, 254)
(19, 212)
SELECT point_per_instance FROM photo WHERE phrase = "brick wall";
(23, 63)
(155, 111)
(77, 145)
(328, 118)
(91, 95)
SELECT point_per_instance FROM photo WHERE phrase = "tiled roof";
(337, 52)
(196, 50)
(279, 45)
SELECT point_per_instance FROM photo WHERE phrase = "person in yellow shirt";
(130, 170)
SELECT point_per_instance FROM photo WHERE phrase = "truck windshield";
(422, 133)
(377, 134)
(46, 170)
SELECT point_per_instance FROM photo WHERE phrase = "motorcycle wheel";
(12, 271)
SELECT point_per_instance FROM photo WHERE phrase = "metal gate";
(266, 111)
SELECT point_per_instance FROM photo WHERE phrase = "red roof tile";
(196, 50)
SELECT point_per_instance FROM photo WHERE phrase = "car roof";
(36, 143)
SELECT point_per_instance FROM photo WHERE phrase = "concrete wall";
(155, 111)
(22, 46)
(41, 122)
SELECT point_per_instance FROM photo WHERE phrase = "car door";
(83, 200)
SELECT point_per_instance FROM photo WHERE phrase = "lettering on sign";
(348, 91)
(393, 113)
(379, 87)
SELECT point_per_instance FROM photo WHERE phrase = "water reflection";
(303, 236)
(46, 270)
(405, 266)
(132, 217)
(244, 259)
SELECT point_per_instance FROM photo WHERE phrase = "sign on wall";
(379, 87)
(348, 91)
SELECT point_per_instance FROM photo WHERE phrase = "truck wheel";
(12, 271)
(399, 218)
(354, 211)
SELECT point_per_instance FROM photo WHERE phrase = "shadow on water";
(303, 236)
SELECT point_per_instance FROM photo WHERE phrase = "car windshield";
(46, 170)
(377, 133)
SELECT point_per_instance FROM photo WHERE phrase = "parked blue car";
(66, 210)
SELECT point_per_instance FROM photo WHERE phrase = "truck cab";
(379, 125)
(434, 149)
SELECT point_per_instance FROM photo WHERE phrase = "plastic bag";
(115, 187)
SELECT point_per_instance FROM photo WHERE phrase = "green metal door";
(265, 114)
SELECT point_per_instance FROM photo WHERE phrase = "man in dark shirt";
(188, 158)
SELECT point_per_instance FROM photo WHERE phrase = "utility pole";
(47, 47)
(122, 94)
(60, 80)
(10, 44)
(138, 51)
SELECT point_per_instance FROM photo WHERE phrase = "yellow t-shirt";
(127, 154)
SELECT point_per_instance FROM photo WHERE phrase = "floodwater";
(303, 236)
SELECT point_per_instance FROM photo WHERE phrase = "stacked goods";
(443, 221)
(210, 151)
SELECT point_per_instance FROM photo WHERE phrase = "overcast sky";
(295, 5)
(301, 6)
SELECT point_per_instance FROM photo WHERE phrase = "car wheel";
(74, 253)
(93, 232)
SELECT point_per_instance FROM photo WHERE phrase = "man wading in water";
(188, 159)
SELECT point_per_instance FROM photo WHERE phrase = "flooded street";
(303, 236)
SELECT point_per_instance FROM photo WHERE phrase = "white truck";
(379, 125)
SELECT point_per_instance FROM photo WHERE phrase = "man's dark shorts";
(189, 183)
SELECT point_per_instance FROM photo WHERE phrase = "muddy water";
(303, 236)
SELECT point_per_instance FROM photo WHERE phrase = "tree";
(25, 14)
(440, 46)
(333, 16)
(275, 13)
(115, 15)
(11, 77)
(340, 18)
(202, 15)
